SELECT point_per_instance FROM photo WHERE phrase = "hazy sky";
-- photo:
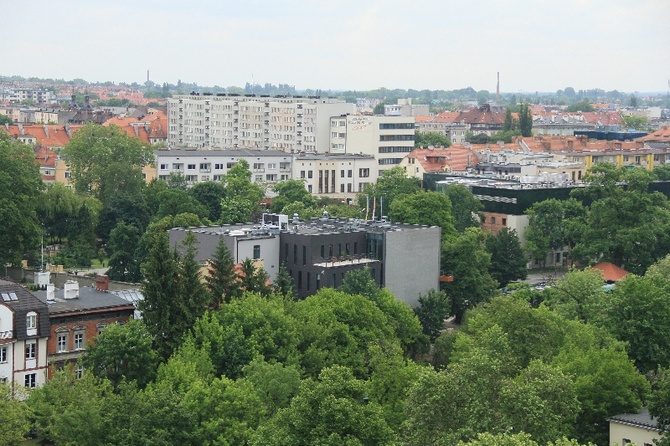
(542, 45)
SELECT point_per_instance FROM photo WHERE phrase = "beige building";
(639, 429)
(290, 124)
(335, 175)
(387, 138)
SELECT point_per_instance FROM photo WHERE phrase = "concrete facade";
(387, 138)
(291, 124)
(335, 176)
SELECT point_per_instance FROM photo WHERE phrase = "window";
(493, 220)
(164, 167)
(304, 255)
(101, 327)
(31, 321)
(31, 380)
(31, 349)
(309, 279)
(61, 343)
(78, 341)
(257, 252)
(363, 173)
(79, 372)
(349, 173)
(341, 173)
(3, 354)
(191, 167)
(504, 222)
(310, 174)
(302, 174)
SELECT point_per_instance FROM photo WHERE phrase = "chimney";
(102, 282)
(51, 295)
(71, 290)
(570, 144)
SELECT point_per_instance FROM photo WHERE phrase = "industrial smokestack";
(147, 75)
(498, 88)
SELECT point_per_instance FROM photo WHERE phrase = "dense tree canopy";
(20, 183)
(105, 161)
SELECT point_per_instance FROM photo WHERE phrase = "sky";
(535, 45)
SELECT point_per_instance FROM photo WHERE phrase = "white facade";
(267, 166)
(387, 138)
(24, 329)
(335, 176)
(291, 124)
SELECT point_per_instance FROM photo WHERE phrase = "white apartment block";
(387, 138)
(267, 166)
(290, 124)
(16, 95)
(335, 176)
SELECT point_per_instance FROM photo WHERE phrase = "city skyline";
(535, 45)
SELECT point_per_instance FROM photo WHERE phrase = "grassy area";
(95, 263)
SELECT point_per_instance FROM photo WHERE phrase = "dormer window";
(31, 324)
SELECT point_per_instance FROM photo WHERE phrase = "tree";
(291, 191)
(162, 292)
(508, 124)
(13, 417)
(20, 183)
(659, 404)
(4, 119)
(334, 410)
(254, 279)
(547, 231)
(177, 201)
(123, 264)
(637, 313)
(465, 208)
(633, 122)
(194, 296)
(581, 106)
(379, 109)
(131, 209)
(105, 161)
(242, 200)
(360, 281)
(222, 280)
(209, 194)
(508, 260)
(424, 208)
(578, 295)
(433, 309)
(525, 120)
(275, 383)
(390, 184)
(284, 283)
(123, 353)
(433, 139)
(81, 238)
(57, 205)
(339, 328)
(466, 259)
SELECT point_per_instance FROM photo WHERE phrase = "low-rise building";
(640, 429)
(24, 331)
(338, 176)
(267, 166)
(77, 315)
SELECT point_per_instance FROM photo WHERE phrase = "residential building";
(444, 123)
(404, 107)
(456, 158)
(291, 124)
(639, 429)
(387, 138)
(150, 128)
(483, 119)
(77, 315)
(267, 166)
(16, 95)
(335, 175)
(24, 331)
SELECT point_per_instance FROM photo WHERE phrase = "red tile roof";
(455, 158)
(611, 272)
(660, 135)
(45, 135)
(153, 126)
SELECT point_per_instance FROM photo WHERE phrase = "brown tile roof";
(449, 117)
(424, 118)
(480, 115)
(456, 158)
(46, 157)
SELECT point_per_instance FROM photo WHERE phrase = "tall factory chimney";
(498, 88)
(147, 75)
